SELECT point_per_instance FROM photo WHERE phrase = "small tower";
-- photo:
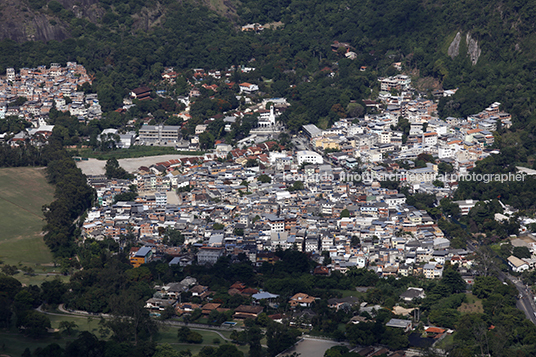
(271, 119)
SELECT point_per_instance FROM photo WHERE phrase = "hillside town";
(321, 194)
(43, 87)
(338, 195)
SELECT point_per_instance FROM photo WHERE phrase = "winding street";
(192, 326)
(525, 299)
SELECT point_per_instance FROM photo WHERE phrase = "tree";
(86, 345)
(395, 338)
(279, 338)
(9, 269)
(485, 261)
(218, 226)
(254, 336)
(264, 178)
(453, 281)
(194, 337)
(438, 183)
(52, 291)
(206, 140)
(130, 320)
(484, 286)
(252, 163)
(228, 350)
(336, 351)
(36, 324)
(182, 333)
(113, 170)
(166, 350)
(345, 213)
(20, 101)
(168, 313)
(296, 186)
(172, 237)
(521, 252)
(68, 326)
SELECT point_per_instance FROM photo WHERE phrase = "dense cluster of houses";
(45, 87)
(223, 208)
(376, 146)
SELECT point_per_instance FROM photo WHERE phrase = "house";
(247, 311)
(248, 88)
(343, 303)
(209, 255)
(266, 296)
(398, 323)
(142, 256)
(198, 290)
(322, 271)
(301, 299)
(158, 304)
(412, 294)
(208, 308)
(517, 264)
(141, 93)
(186, 307)
(432, 271)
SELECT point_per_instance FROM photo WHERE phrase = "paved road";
(525, 301)
(192, 326)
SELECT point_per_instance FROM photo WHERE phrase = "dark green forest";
(418, 33)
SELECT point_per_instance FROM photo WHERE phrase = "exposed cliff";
(19, 22)
(454, 48)
(473, 50)
(40, 20)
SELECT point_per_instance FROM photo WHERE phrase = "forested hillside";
(484, 49)
(127, 42)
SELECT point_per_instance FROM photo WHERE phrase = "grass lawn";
(15, 343)
(23, 192)
(472, 306)
(445, 342)
(168, 334)
(354, 293)
(41, 276)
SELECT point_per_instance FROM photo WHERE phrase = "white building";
(517, 264)
(160, 199)
(466, 205)
(267, 118)
(248, 88)
(429, 139)
(309, 156)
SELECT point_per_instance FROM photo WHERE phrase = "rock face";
(472, 49)
(30, 26)
(19, 22)
(454, 48)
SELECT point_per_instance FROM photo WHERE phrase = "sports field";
(23, 191)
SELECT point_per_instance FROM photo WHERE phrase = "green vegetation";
(114, 171)
(23, 191)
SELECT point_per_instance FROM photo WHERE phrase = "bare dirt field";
(312, 347)
(96, 167)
